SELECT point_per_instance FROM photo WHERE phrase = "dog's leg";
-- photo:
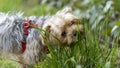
(22, 63)
(33, 48)
(24, 66)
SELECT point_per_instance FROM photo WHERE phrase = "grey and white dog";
(63, 25)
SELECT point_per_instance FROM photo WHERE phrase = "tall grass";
(87, 52)
(92, 50)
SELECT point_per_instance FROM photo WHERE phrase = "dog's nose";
(74, 33)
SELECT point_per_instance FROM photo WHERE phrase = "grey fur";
(11, 32)
(11, 37)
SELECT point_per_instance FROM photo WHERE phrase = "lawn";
(98, 47)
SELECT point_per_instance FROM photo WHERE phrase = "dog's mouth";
(75, 36)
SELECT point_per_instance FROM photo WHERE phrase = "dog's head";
(63, 25)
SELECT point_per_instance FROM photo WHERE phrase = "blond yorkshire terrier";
(26, 44)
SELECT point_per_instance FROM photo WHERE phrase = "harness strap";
(27, 24)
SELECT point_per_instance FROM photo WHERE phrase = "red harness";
(27, 24)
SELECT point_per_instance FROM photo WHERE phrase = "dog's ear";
(45, 34)
(48, 28)
(65, 10)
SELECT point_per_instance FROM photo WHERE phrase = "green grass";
(7, 64)
(87, 52)
(92, 50)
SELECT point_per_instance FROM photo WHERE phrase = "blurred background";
(101, 17)
(93, 11)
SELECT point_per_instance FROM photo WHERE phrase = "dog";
(26, 44)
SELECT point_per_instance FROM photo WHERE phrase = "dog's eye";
(63, 33)
(72, 22)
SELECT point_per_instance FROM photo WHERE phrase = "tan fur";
(66, 21)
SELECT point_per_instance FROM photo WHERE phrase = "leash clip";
(27, 23)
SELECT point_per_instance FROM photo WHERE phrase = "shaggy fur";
(62, 25)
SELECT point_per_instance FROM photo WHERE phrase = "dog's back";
(10, 33)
